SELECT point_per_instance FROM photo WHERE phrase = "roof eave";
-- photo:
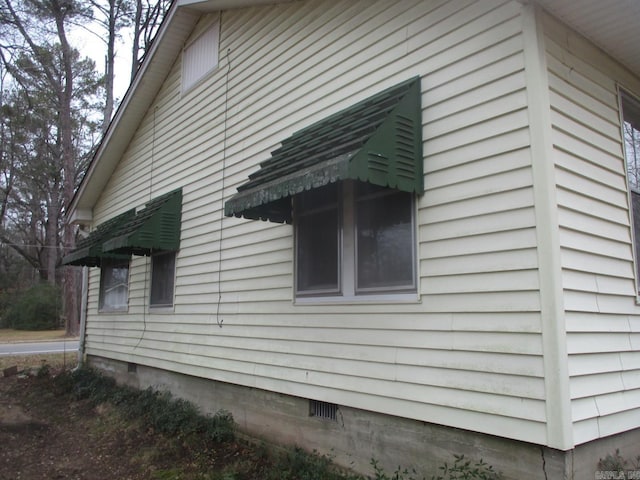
(612, 25)
(217, 5)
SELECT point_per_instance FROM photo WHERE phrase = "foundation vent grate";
(323, 410)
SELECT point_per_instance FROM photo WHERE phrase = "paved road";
(33, 348)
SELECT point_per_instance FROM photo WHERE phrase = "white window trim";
(372, 299)
(164, 308)
(625, 93)
(106, 310)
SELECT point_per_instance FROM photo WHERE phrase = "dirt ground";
(43, 437)
(46, 434)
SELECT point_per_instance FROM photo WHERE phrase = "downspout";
(83, 306)
(83, 315)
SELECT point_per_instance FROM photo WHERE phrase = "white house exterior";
(515, 335)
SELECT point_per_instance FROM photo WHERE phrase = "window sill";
(359, 299)
(111, 311)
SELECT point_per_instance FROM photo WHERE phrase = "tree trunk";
(135, 45)
(109, 65)
(51, 237)
(71, 300)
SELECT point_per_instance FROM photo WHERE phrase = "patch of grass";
(54, 361)
(9, 335)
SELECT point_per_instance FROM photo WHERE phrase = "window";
(354, 238)
(163, 267)
(114, 286)
(631, 132)
(200, 57)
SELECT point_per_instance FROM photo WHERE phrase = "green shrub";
(617, 463)
(399, 474)
(36, 309)
(173, 417)
(468, 470)
(8, 299)
(461, 469)
(297, 464)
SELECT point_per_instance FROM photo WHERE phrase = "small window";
(631, 133)
(354, 238)
(200, 57)
(163, 268)
(114, 286)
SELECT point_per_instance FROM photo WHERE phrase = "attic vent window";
(200, 57)
(323, 410)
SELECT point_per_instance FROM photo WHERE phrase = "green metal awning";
(378, 140)
(89, 251)
(154, 228)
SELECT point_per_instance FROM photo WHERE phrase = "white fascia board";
(612, 25)
(81, 216)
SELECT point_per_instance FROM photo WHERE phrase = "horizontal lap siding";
(469, 353)
(596, 248)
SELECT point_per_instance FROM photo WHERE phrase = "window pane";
(114, 286)
(631, 128)
(384, 239)
(317, 240)
(631, 131)
(162, 279)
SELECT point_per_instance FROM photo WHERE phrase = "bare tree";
(148, 16)
(56, 83)
(50, 113)
(112, 16)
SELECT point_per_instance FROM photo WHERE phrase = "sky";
(91, 45)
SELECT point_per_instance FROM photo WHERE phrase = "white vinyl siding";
(596, 250)
(469, 353)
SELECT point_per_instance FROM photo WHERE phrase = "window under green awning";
(155, 228)
(378, 140)
(89, 251)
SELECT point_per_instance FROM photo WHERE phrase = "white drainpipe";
(83, 314)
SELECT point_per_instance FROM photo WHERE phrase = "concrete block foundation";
(354, 436)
